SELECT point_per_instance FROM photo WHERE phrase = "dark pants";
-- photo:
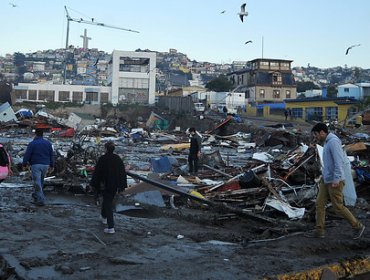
(193, 163)
(107, 207)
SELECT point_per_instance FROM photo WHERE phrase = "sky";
(314, 32)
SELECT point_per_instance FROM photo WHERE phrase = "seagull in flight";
(13, 5)
(352, 47)
(224, 11)
(242, 12)
(250, 41)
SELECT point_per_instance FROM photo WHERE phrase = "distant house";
(358, 91)
(266, 80)
(310, 93)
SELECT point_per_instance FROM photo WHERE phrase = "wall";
(353, 91)
(177, 104)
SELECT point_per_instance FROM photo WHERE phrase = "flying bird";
(242, 13)
(352, 47)
(223, 12)
(250, 41)
(13, 5)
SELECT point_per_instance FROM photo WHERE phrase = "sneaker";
(315, 234)
(357, 233)
(109, 230)
(104, 221)
(38, 203)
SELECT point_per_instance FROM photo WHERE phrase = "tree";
(332, 91)
(19, 59)
(221, 83)
(357, 75)
(304, 86)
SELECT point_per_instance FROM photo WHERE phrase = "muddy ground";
(65, 240)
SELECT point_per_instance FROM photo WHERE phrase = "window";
(133, 95)
(264, 65)
(297, 113)
(21, 93)
(276, 94)
(63, 95)
(77, 96)
(284, 66)
(91, 96)
(274, 65)
(346, 89)
(32, 94)
(46, 95)
(276, 79)
(104, 97)
(262, 93)
(314, 114)
(287, 92)
(332, 113)
(134, 64)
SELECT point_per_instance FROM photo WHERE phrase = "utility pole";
(91, 22)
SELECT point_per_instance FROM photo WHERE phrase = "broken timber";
(218, 206)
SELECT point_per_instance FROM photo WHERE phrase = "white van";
(199, 107)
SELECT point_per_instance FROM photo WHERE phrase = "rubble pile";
(262, 171)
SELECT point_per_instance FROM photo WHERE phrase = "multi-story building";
(132, 77)
(266, 80)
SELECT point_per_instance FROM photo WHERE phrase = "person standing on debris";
(109, 177)
(194, 151)
(332, 182)
(39, 155)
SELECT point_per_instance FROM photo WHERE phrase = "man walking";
(39, 155)
(109, 177)
(332, 183)
(194, 151)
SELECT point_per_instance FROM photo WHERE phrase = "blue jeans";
(38, 175)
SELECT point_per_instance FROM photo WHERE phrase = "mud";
(65, 240)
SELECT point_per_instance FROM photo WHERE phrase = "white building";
(232, 100)
(61, 93)
(132, 77)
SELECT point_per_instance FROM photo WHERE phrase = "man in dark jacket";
(194, 151)
(109, 177)
(39, 155)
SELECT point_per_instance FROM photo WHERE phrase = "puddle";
(136, 212)
(43, 272)
(14, 185)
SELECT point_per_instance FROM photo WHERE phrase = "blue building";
(358, 91)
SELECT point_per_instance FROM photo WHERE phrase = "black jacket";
(195, 144)
(109, 174)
